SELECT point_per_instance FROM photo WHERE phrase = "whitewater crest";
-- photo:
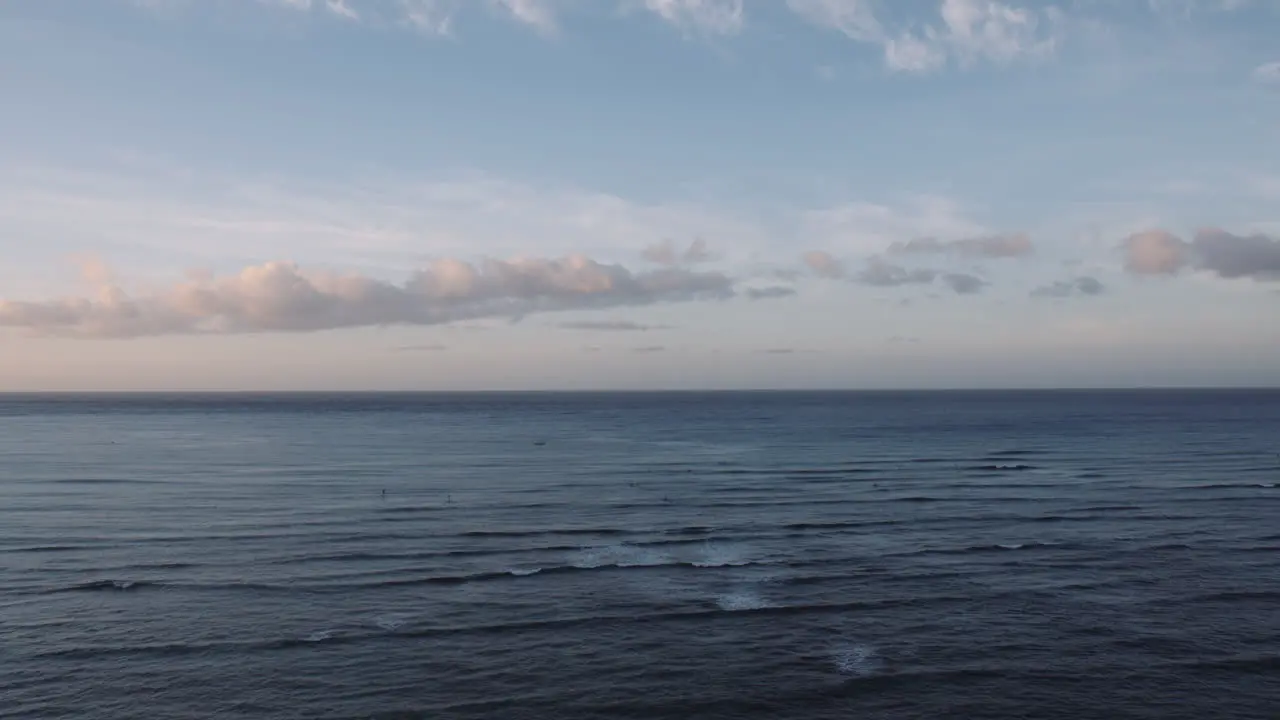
(857, 660)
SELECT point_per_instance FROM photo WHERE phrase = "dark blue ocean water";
(769, 555)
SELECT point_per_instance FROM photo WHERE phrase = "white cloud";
(854, 18)
(433, 17)
(967, 31)
(721, 17)
(1268, 73)
(535, 13)
(963, 31)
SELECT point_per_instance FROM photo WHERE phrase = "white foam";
(319, 636)
(742, 600)
(522, 572)
(857, 660)
(389, 623)
(1012, 546)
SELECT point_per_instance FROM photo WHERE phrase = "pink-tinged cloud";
(1213, 250)
(281, 297)
(1155, 252)
(824, 264)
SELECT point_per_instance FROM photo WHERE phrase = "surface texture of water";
(943, 555)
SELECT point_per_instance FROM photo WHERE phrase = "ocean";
(668, 555)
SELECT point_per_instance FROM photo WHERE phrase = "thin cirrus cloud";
(1213, 250)
(957, 32)
(280, 297)
(964, 33)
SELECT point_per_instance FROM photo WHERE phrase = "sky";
(638, 194)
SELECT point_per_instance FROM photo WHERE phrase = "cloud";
(967, 32)
(964, 283)
(420, 348)
(611, 326)
(990, 246)
(280, 297)
(958, 33)
(719, 17)
(648, 349)
(1154, 252)
(1237, 256)
(431, 17)
(779, 351)
(664, 253)
(769, 293)
(854, 18)
(823, 264)
(1268, 73)
(1083, 285)
(1229, 256)
(880, 273)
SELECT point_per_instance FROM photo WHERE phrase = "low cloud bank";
(1229, 256)
(281, 297)
(878, 272)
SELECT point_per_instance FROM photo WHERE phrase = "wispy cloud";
(1083, 285)
(420, 348)
(966, 32)
(280, 297)
(1268, 73)
(869, 227)
(665, 253)
(720, 17)
(364, 221)
(649, 349)
(959, 32)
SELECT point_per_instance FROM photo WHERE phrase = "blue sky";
(450, 194)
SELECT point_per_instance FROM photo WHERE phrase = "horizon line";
(651, 391)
